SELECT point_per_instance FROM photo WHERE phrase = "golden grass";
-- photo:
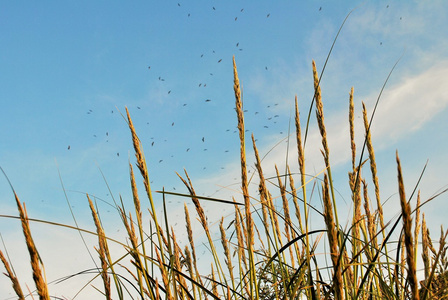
(36, 262)
(408, 238)
(9, 273)
(373, 165)
(276, 263)
(103, 250)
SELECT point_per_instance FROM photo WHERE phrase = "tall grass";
(268, 251)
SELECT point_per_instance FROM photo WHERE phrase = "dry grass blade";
(103, 251)
(425, 247)
(14, 280)
(196, 202)
(417, 227)
(262, 189)
(294, 199)
(141, 163)
(36, 262)
(408, 239)
(244, 182)
(225, 245)
(369, 216)
(164, 274)
(332, 239)
(320, 115)
(351, 118)
(373, 164)
(287, 217)
(300, 149)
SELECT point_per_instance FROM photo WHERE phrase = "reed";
(103, 250)
(408, 238)
(268, 253)
(10, 274)
(36, 262)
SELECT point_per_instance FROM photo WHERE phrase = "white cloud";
(407, 106)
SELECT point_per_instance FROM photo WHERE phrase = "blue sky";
(68, 69)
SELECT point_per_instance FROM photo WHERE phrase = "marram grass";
(267, 250)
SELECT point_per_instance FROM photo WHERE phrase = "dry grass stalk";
(244, 182)
(288, 222)
(190, 232)
(177, 264)
(214, 284)
(164, 274)
(262, 187)
(36, 262)
(274, 218)
(408, 239)
(320, 115)
(355, 186)
(370, 218)
(332, 239)
(350, 276)
(141, 163)
(225, 245)
(294, 199)
(351, 118)
(323, 133)
(9, 273)
(373, 168)
(138, 213)
(402, 265)
(194, 272)
(298, 215)
(301, 159)
(103, 251)
(300, 150)
(156, 285)
(130, 229)
(417, 227)
(189, 264)
(197, 204)
(204, 223)
(425, 248)
(240, 239)
(137, 205)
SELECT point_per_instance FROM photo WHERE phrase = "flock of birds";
(270, 118)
